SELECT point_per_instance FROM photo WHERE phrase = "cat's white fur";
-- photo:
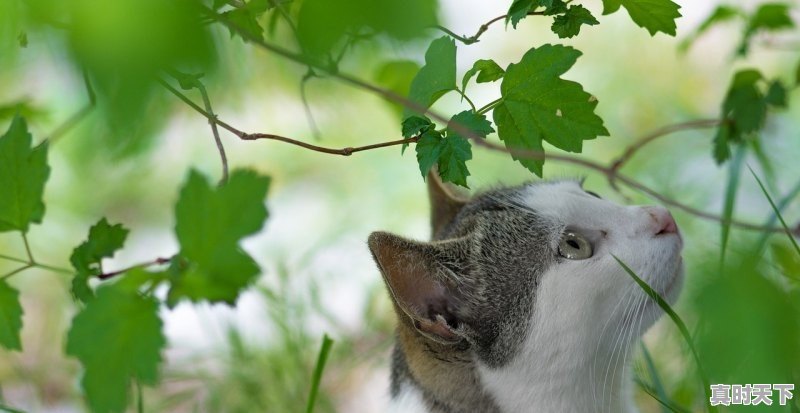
(587, 313)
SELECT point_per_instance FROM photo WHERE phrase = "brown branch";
(157, 261)
(460, 129)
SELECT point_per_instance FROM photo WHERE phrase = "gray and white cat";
(517, 305)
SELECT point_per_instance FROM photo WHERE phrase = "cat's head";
(533, 266)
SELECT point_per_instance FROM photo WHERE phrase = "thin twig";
(306, 106)
(157, 261)
(466, 132)
(207, 103)
(481, 30)
(18, 270)
(27, 248)
(9, 258)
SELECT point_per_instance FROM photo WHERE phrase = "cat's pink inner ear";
(406, 268)
(445, 202)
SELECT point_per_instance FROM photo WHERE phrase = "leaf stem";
(481, 30)
(157, 261)
(464, 95)
(17, 271)
(489, 106)
(28, 249)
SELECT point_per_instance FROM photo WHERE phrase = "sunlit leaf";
(653, 15)
(437, 77)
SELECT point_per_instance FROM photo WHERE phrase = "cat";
(518, 305)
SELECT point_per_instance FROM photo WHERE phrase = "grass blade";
(665, 404)
(324, 351)
(651, 369)
(762, 242)
(7, 409)
(678, 322)
(777, 211)
(734, 173)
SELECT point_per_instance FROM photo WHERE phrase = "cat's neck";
(551, 379)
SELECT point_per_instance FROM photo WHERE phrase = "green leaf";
(477, 123)
(321, 24)
(244, 19)
(653, 15)
(487, 71)
(23, 173)
(519, 10)
(787, 259)
(103, 241)
(414, 125)
(10, 317)
(569, 24)
(721, 14)
(768, 17)
(777, 95)
(118, 338)
(456, 151)
(744, 108)
(397, 76)
(538, 105)
(437, 77)
(210, 222)
(429, 149)
(722, 149)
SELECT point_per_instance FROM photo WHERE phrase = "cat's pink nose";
(663, 222)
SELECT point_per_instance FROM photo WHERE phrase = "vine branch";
(157, 261)
(609, 171)
(481, 30)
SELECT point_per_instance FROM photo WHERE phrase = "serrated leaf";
(118, 338)
(539, 105)
(456, 151)
(477, 123)
(519, 10)
(653, 15)
(487, 71)
(210, 223)
(322, 24)
(777, 95)
(103, 241)
(244, 19)
(10, 317)
(569, 24)
(437, 77)
(23, 174)
(429, 149)
(414, 125)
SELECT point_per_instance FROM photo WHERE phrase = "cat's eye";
(574, 246)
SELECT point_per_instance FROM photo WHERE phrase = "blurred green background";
(127, 160)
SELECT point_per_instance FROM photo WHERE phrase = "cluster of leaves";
(118, 335)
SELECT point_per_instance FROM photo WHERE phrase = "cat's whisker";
(619, 331)
(600, 338)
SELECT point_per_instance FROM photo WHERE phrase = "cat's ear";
(445, 202)
(420, 285)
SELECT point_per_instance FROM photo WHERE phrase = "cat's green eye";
(574, 246)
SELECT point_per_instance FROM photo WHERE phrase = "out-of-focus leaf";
(397, 76)
(103, 241)
(539, 105)
(210, 222)
(23, 174)
(323, 23)
(768, 17)
(118, 338)
(24, 109)
(653, 15)
(745, 110)
(437, 77)
(10, 317)
(721, 14)
(787, 259)
(777, 95)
